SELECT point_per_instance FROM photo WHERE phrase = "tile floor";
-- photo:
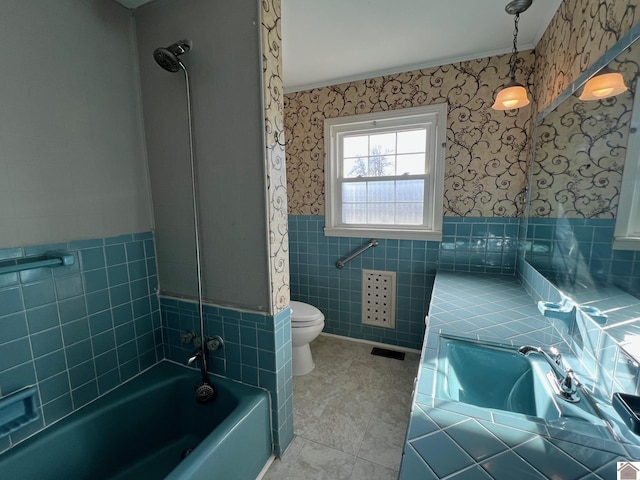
(350, 415)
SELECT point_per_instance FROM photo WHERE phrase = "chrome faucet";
(194, 356)
(563, 381)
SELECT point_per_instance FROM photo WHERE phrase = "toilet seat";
(305, 315)
(305, 324)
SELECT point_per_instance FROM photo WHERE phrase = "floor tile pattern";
(350, 415)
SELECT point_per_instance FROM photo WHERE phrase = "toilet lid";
(304, 314)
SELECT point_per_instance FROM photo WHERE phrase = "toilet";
(306, 324)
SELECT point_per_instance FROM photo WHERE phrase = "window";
(627, 231)
(385, 174)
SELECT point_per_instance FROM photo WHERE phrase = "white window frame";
(627, 230)
(434, 118)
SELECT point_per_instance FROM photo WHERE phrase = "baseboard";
(372, 343)
(264, 470)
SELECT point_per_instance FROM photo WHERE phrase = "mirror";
(579, 156)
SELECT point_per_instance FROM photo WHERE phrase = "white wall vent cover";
(379, 298)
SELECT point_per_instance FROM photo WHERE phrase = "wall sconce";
(605, 84)
(513, 95)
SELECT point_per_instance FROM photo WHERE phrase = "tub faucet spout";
(194, 356)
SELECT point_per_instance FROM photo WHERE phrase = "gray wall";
(72, 160)
(224, 69)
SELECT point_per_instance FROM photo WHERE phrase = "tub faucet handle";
(214, 343)
(187, 337)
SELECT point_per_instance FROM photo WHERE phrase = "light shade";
(512, 96)
(608, 84)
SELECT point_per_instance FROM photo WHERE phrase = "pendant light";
(513, 95)
(605, 84)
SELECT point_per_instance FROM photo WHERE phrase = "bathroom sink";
(497, 377)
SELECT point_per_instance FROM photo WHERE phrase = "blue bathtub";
(143, 429)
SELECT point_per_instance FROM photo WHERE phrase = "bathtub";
(144, 428)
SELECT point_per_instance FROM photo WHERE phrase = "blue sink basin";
(498, 377)
(486, 376)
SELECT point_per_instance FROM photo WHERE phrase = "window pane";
(355, 167)
(412, 141)
(382, 144)
(382, 172)
(382, 166)
(381, 191)
(356, 146)
(409, 213)
(354, 192)
(410, 191)
(411, 164)
(381, 213)
(354, 213)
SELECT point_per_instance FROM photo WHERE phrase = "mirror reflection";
(580, 152)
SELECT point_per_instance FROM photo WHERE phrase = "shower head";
(167, 57)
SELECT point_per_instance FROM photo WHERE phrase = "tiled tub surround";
(461, 441)
(469, 244)
(257, 351)
(78, 331)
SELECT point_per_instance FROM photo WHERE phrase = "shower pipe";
(168, 59)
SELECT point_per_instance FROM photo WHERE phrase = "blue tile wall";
(257, 351)
(601, 351)
(477, 244)
(573, 251)
(78, 331)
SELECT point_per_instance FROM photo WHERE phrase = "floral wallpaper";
(581, 146)
(579, 33)
(579, 158)
(486, 150)
(275, 158)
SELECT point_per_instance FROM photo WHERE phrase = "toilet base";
(301, 360)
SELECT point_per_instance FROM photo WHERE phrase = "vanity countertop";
(453, 440)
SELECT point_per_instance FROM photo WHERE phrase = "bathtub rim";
(243, 393)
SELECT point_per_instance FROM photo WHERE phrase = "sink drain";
(185, 453)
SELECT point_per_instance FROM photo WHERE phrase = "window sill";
(626, 243)
(383, 233)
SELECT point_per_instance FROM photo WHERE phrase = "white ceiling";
(325, 42)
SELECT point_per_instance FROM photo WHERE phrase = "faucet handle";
(567, 384)
(214, 343)
(557, 356)
(187, 337)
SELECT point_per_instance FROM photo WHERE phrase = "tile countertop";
(453, 440)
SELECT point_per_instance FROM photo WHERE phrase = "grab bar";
(49, 259)
(372, 243)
